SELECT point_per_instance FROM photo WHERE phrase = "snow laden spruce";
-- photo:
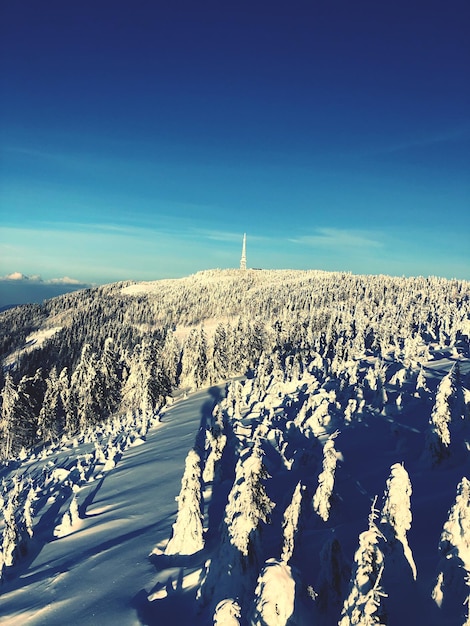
(187, 535)
(452, 589)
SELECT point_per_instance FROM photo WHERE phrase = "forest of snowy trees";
(128, 346)
(330, 376)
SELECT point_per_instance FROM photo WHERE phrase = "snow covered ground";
(100, 572)
(33, 342)
(105, 563)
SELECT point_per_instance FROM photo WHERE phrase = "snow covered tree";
(31, 391)
(396, 511)
(227, 613)
(111, 370)
(233, 570)
(220, 354)
(147, 385)
(446, 416)
(452, 589)
(66, 400)
(187, 535)
(156, 383)
(86, 391)
(11, 535)
(274, 595)
(10, 399)
(171, 358)
(69, 519)
(421, 385)
(20, 409)
(290, 523)
(200, 372)
(216, 442)
(28, 510)
(248, 503)
(256, 341)
(363, 607)
(194, 361)
(240, 351)
(326, 480)
(13, 539)
(51, 420)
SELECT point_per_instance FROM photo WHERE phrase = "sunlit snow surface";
(100, 572)
(109, 566)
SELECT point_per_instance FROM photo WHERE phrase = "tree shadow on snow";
(175, 602)
(176, 608)
(88, 501)
(216, 394)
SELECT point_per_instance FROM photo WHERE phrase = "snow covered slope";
(326, 482)
(97, 571)
(109, 566)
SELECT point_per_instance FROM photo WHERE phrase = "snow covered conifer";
(11, 536)
(447, 410)
(86, 391)
(171, 357)
(69, 519)
(363, 607)
(220, 354)
(28, 511)
(452, 590)
(421, 386)
(201, 368)
(194, 360)
(233, 570)
(326, 479)
(396, 511)
(10, 399)
(12, 531)
(51, 420)
(20, 408)
(187, 535)
(248, 503)
(111, 370)
(274, 595)
(216, 441)
(227, 613)
(147, 385)
(31, 391)
(290, 523)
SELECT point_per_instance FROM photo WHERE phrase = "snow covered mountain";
(315, 425)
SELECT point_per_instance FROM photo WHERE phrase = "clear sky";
(142, 139)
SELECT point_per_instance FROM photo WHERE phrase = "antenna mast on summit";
(243, 259)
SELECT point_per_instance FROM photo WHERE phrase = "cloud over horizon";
(36, 278)
(18, 288)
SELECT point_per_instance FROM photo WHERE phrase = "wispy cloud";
(224, 236)
(425, 140)
(339, 238)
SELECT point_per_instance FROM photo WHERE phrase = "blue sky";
(141, 140)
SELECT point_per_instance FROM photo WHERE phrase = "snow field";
(94, 571)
